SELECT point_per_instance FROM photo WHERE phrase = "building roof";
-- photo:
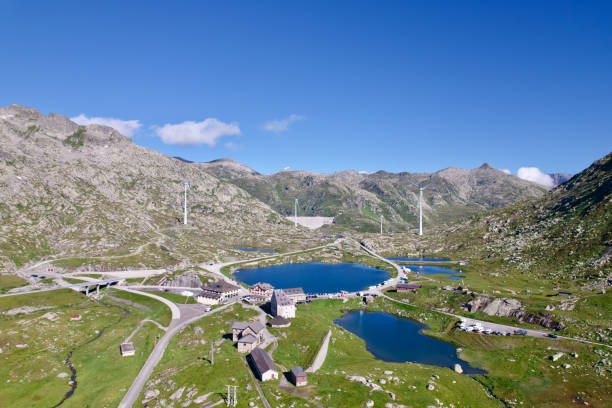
(278, 321)
(248, 339)
(263, 286)
(293, 291)
(262, 360)
(256, 326)
(220, 287)
(408, 286)
(281, 299)
(210, 295)
(127, 347)
(298, 371)
(239, 325)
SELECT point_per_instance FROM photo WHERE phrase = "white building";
(282, 305)
(263, 366)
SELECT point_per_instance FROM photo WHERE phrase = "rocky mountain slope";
(359, 199)
(70, 190)
(566, 235)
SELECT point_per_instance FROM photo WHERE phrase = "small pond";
(263, 251)
(395, 339)
(315, 277)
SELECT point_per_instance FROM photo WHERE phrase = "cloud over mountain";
(196, 133)
(535, 175)
(125, 127)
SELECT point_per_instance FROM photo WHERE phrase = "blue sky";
(326, 86)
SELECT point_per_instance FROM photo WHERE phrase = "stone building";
(282, 305)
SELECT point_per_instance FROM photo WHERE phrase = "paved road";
(176, 312)
(189, 315)
(69, 286)
(321, 355)
(135, 273)
(128, 338)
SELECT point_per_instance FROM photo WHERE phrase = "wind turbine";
(185, 214)
(421, 188)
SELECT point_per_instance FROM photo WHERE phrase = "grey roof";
(240, 325)
(293, 291)
(248, 339)
(281, 299)
(298, 371)
(220, 286)
(262, 360)
(256, 326)
(278, 321)
(408, 286)
(127, 347)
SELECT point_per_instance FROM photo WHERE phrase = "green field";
(8, 282)
(36, 376)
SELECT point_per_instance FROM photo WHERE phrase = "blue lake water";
(395, 339)
(435, 270)
(265, 251)
(315, 277)
(401, 258)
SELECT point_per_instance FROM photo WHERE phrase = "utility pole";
(231, 400)
(295, 212)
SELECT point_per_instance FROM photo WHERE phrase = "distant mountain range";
(358, 199)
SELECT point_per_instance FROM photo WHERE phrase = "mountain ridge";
(357, 199)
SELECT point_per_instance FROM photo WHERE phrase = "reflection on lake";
(396, 339)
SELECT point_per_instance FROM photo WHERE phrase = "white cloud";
(286, 168)
(506, 171)
(195, 133)
(364, 172)
(125, 127)
(282, 125)
(535, 175)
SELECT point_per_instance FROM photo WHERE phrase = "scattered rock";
(431, 387)
(458, 369)
(62, 375)
(177, 394)
(557, 356)
(369, 404)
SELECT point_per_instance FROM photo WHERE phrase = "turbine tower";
(185, 213)
(421, 188)
(421, 211)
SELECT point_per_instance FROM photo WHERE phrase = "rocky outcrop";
(189, 279)
(511, 308)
